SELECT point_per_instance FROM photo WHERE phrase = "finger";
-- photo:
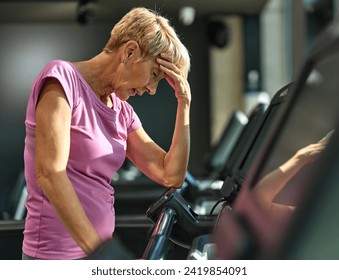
(170, 81)
(176, 77)
(166, 57)
(178, 67)
(168, 64)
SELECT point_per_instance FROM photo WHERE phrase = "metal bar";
(157, 246)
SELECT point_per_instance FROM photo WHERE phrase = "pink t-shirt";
(98, 149)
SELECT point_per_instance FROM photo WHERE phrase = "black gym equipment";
(12, 221)
(203, 193)
(200, 191)
(215, 160)
(174, 221)
(15, 206)
(249, 232)
(11, 236)
(250, 145)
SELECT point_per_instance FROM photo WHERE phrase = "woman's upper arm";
(146, 155)
(53, 118)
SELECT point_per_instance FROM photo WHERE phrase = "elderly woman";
(79, 129)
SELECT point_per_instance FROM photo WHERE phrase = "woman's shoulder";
(59, 65)
(65, 73)
(60, 69)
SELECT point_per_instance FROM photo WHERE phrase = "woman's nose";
(151, 88)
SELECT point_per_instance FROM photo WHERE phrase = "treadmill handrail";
(158, 244)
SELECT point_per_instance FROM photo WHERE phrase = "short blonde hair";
(153, 33)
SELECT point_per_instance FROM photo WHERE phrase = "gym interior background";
(240, 50)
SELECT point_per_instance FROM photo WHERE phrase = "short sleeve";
(132, 120)
(135, 122)
(65, 74)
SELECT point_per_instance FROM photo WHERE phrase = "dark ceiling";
(66, 10)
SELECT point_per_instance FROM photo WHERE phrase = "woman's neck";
(96, 74)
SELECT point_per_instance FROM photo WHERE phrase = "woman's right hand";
(176, 76)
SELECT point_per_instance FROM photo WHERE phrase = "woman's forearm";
(269, 186)
(176, 159)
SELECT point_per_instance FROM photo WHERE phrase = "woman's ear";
(132, 50)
